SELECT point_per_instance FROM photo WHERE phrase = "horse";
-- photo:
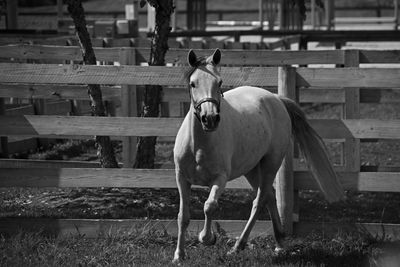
(244, 131)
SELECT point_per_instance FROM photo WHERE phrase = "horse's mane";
(201, 61)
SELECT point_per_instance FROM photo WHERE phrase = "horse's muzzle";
(210, 122)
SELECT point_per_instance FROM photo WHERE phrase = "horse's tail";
(314, 150)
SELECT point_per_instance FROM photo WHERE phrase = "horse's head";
(205, 88)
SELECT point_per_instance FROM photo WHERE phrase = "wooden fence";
(41, 107)
(253, 67)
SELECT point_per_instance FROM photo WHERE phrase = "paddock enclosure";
(53, 72)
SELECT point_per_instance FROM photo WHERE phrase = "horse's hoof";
(178, 258)
(284, 242)
(232, 251)
(278, 251)
(177, 261)
(208, 241)
(236, 248)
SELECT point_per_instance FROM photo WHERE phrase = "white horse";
(246, 132)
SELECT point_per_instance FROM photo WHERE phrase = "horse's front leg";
(183, 216)
(206, 236)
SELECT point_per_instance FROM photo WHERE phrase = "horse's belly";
(250, 149)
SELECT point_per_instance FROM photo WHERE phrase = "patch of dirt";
(123, 203)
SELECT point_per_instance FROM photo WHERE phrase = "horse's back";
(257, 103)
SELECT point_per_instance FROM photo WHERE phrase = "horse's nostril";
(204, 119)
(217, 118)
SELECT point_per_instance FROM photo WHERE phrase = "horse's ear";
(216, 57)
(192, 58)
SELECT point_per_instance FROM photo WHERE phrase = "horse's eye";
(220, 83)
(192, 85)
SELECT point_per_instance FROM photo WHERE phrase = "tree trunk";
(105, 150)
(152, 94)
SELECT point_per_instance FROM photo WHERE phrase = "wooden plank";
(97, 228)
(158, 75)
(349, 77)
(87, 125)
(312, 36)
(379, 182)
(138, 75)
(32, 163)
(379, 56)
(257, 57)
(369, 128)
(84, 177)
(363, 181)
(25, 51)
(66, 137)
(30, 125)
(42, 91)
(95, 177)
(230, 57)
(363, 20)
(165, 178)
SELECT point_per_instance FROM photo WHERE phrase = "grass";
(148, 247)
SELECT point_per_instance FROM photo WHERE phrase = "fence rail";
(58, 126)
(172, 76)
(165, 178)
(178, 55)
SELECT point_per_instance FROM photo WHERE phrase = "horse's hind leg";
(262, 178)
(255, 179)
(279, 233)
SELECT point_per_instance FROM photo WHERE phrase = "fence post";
(284, 181)
(3, 139)
(12, 14)
(351, 110)
(329, 14)
(261, 10)
(396, 14)
(60, 14)
(128, 109)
